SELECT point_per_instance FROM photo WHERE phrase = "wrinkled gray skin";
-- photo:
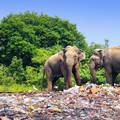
(63, 64)
(109, 59)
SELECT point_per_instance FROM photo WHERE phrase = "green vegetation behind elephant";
(63, 64)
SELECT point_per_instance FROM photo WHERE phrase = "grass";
(17, 88)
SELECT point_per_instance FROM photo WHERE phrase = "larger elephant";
(109, 59)
(63, 64)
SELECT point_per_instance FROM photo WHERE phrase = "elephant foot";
(66, 87)
(49, 89)
(79, 83)
(49, 86)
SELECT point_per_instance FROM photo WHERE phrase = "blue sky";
(97, 20)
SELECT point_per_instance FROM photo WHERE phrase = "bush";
(16, 70)
(3, 73)
(101, 76)
(86, 77)
(33, 75)
(43, 54)
(5, 79)
(8, 81)
(84, 72)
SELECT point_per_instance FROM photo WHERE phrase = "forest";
(27, 40)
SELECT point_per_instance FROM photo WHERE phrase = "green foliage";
(86, 77)
(33, 75)
(23, 34)
(5, 79)
(8, 81)
(16, 70)
(3, 73)
(101, 76)
(22, 49)
(60, 84)
(43, 54)
(84, 72)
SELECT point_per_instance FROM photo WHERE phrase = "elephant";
(107, 58)
(63, 64)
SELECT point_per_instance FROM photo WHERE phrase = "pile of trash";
(87, 102)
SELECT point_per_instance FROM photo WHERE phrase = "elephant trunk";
(68, 75)
(82, 56)
(92, 71)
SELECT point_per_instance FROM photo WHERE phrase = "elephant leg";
(50, 78)
(66, 85)
(70, 81)
(76, 74)
(49, 85)
(108, 73)
(67, 74)
(54, 81)
(68, 78)
(64, 73)
(92, 71)
(114, 75)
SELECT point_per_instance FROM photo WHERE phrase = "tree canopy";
(21, 34)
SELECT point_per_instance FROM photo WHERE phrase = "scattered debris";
(87, 102)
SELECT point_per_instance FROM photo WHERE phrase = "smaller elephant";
(109, 59)
(63, 64)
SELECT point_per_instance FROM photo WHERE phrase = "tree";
(23, 34)
(106, 43)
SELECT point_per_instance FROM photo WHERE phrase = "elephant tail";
(44, 80)
(43, 73)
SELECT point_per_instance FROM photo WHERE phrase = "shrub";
(86, 77)
(33, 75)
(8, 81)
(84, 72)
(16, 70)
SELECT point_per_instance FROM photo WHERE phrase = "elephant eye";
(95, 53)
(79, 52)
(75, 56)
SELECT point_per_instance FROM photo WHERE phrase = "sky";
(97, 20)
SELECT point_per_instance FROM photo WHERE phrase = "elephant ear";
(81, 55)
(80, 51)
(66, 48)
(101, 53)
(61, 55)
